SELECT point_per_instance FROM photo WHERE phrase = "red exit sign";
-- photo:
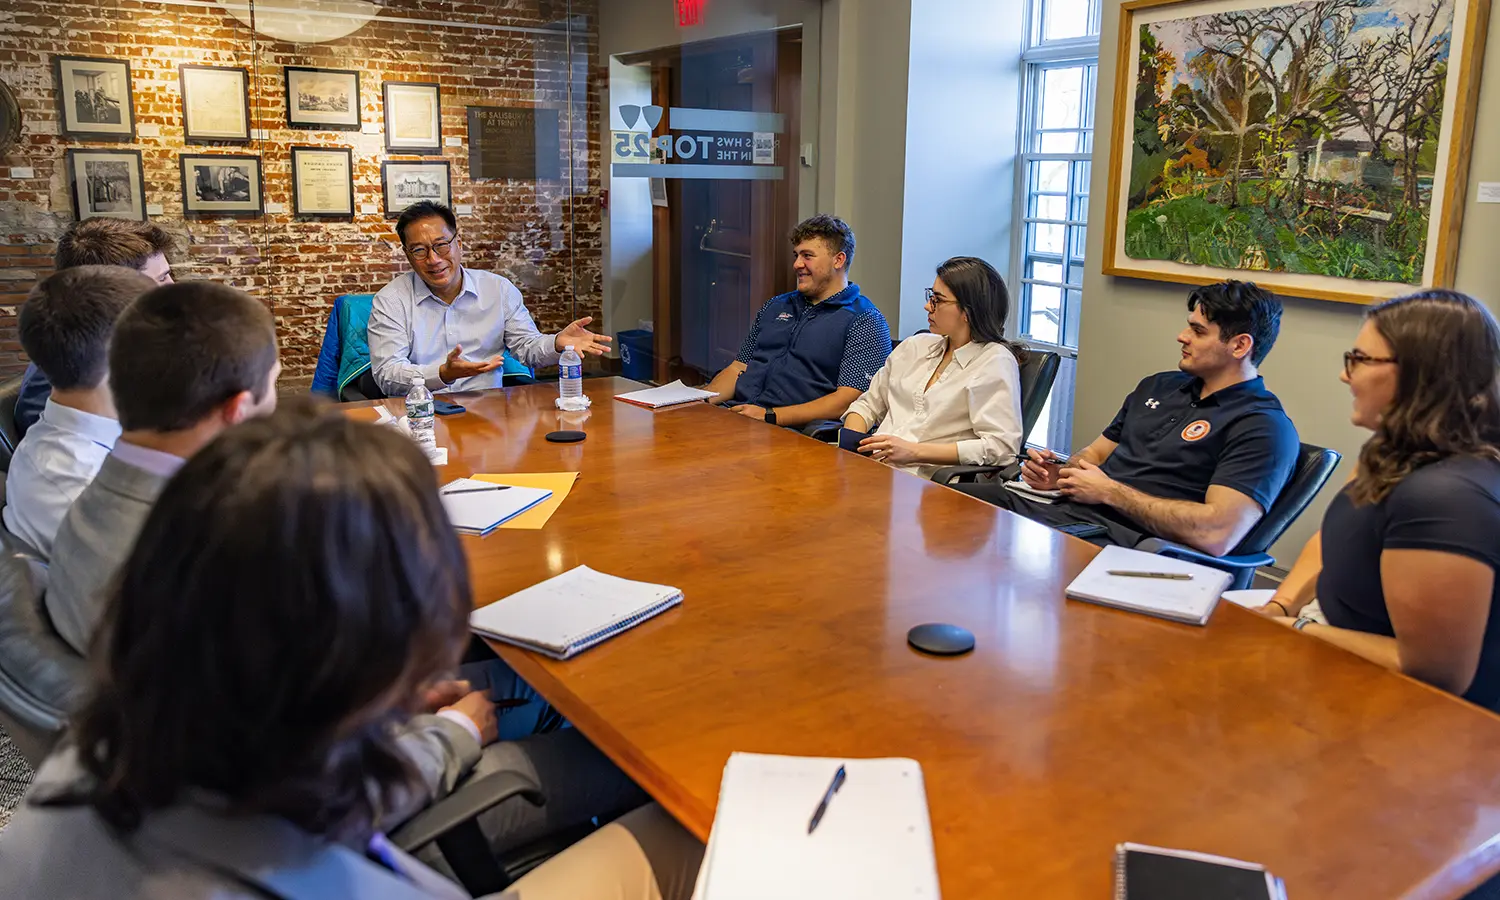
(689, 12)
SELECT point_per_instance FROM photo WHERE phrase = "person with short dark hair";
(950, 396)
(450, 325)
(810, 352)
(1195, 456)
(99, 241)
(65, 326)
(1404, 567)
(186, 362)
(291, 600)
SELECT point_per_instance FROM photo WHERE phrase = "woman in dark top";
(1404, 566)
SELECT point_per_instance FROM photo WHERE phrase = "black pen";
(475, 490)
(833, 788)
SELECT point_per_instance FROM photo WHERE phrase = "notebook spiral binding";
(1119, 872)
(604, 634)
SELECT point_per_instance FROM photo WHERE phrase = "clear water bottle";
(419, 415)
(570, 374)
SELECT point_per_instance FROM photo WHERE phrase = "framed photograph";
(322, 99)
(107, 183)
(1319, 148)
(215, 104)
(407, 182)
(413, 118)
(323, 181)
(220, 185)
(94, 96)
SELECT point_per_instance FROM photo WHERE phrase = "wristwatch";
(1302, 622)
(771, 415)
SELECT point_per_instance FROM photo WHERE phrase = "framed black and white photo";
(94, 96)
(215, 104)
(107, 183)
(407, 182)
(413, 118)
(220, 185)
(323, 181)
(322, 99)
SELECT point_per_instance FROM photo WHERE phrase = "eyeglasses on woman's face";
(932, 299)
(441, 248)
(1356, 358)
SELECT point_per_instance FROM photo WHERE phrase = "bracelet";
(1284, 610)
(1303, 622)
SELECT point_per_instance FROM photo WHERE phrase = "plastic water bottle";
(419, 415)
(570, 374)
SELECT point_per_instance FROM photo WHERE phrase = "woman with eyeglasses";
(293, 594)
(953, 396)
(1404, 566)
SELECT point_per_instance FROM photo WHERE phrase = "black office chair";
(10, 391)
(1038, 373)
(1314, 466)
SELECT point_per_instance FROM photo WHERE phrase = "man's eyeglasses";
(930, 298)
(1355, 358)
(441, 248)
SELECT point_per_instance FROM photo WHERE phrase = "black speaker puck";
(566, 437)
(941, 640)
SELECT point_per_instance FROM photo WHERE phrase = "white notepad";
(1031, 493)
(1182, 601)
(874, 842)
(476, 511)
(572, 612)
(672, 394)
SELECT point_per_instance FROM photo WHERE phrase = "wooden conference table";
(1070, 728)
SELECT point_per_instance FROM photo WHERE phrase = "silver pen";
(1170, 576)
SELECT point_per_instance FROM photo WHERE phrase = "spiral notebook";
(1189, 598)
(1156, 873)
(567, 614)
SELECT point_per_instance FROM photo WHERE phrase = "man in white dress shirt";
(451, 325)
(65, 326)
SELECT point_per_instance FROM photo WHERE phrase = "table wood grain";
(1069, 729)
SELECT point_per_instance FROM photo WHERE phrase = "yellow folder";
(559, 483)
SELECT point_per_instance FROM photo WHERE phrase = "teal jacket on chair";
(345, 354)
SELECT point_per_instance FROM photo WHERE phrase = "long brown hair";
(293, 588)
(1447, 403)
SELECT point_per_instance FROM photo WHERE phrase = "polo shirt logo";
(1153, 403)
(784, 317)
(1196, 431)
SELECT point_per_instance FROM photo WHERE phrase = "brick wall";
(544, 236)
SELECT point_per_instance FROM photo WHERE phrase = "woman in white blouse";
(951, 397)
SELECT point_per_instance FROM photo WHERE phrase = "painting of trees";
(1298, 138)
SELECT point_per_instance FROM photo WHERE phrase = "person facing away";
(99, 241)
(65, 325)
(952, 396)
(1404, 564)
(810, 352)
(293, 597)
(186, 362)
(1196, 455)
(450, 325)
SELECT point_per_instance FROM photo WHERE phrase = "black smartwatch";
(770, 415)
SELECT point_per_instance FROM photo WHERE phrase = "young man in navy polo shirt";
(810, 352)
(1195, 456)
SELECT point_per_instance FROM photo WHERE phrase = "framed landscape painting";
(322, 99)
(408, 182)
(1318, 148)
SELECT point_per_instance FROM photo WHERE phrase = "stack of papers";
(673, 394)
(559, 483)
(572, 612)
(873, 842)
(1189, 600)
(1031, 493)
(476, 507)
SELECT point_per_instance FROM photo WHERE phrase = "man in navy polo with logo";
(1195, 456)
(810, 352)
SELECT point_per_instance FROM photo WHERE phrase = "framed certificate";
(215, 104)
(323, 182)
(407, 182)
(220, 185)
(413, 117)
(107, 183)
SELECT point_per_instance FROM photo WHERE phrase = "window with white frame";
(1057, 141)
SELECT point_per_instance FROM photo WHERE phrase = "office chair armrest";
(1179, 551)
(825, 430)
(950, 474)
(468, 800)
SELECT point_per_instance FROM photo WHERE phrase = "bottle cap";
(570, 347)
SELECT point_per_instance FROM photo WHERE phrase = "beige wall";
(1128, 325)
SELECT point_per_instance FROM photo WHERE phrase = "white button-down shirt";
(412, 331)
(975, 403)
(56, 460)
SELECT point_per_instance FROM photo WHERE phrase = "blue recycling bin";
(637, 355)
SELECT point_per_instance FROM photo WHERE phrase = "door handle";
(703, 242)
